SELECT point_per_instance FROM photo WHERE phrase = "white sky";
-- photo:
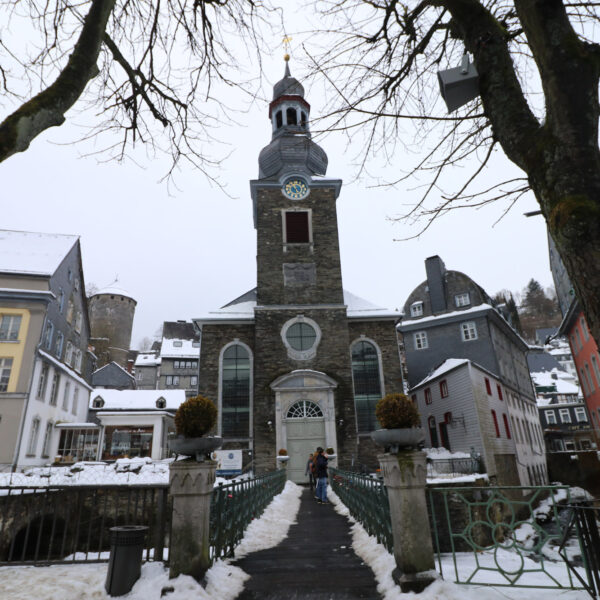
(182, 252)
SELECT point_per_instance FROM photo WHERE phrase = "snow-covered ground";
(225, 581)
(124, 471)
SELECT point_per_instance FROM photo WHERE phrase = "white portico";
(304, 416)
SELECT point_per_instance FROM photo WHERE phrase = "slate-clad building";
(449, 316)
(297, 362)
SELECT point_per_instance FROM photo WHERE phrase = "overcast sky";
(183, 252)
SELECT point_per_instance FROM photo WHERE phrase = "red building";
(586, 357)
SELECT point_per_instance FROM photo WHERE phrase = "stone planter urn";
(198, 447)
(283, 459)
(403, 438)
(191, 484)
(404, 475)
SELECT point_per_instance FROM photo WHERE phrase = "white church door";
(304, 417)
(305, 427)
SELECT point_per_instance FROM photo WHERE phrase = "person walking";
(321, 475)
(310, 472)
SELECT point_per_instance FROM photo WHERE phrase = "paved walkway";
(315, 561)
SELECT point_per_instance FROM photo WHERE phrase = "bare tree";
(539, 68)
(149, 68)
(145, 344)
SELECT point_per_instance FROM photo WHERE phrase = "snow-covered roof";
(447, 365)
(177, 348)
(136, 399)
(113, 291)
(563, 382)
(357, 308)
(147, 359)
(455, 313)
(33, 253)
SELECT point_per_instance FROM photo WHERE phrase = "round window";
(301, 336)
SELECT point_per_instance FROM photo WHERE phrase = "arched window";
(303, 119)
(305, 409)
(367, 384)
(291, 116)
(235, 392)
(278, 119)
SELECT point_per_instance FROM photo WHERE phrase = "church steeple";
(291, 149)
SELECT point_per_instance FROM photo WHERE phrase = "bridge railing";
(58, 524)
(235, 505)
(367, 500)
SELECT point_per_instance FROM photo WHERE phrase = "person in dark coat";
(310, 472)
(321, 475)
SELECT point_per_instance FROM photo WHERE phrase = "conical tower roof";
(288, 86)
(291, 149)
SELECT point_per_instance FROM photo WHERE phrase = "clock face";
(295, 188)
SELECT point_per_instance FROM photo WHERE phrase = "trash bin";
(125, 563)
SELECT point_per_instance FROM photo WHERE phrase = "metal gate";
(508, 536)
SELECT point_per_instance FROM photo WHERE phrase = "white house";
(464, 406)
(134, 422)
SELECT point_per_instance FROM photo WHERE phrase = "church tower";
(298, 362)
(301, 343)
(298, 258)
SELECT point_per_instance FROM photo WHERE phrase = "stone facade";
(299, 285)
(111, 320)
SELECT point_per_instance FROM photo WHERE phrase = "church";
(297, 362)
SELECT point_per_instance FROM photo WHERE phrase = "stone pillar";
(404, 476)
(191, 486)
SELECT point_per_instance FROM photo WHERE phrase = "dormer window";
(161, 403)
(291, 116)
(98, 402)
(416, 309)
(177, 344)
(462, 299)
(278, 119)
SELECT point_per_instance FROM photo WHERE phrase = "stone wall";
(383, 333)
(271, 361)
(111, 321)
(323, 254)
(214, 338)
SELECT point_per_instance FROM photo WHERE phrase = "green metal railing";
(497, 536)
(235, 504)
(367, 500)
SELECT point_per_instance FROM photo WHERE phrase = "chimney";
(435, 269)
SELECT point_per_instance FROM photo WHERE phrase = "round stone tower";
(111, 313)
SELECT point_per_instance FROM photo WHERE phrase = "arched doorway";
(305, 417)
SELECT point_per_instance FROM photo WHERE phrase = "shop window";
(124, 441)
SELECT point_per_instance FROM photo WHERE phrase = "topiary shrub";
(282, 452)
(195, 417)
(330, 451)
(396, 411)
